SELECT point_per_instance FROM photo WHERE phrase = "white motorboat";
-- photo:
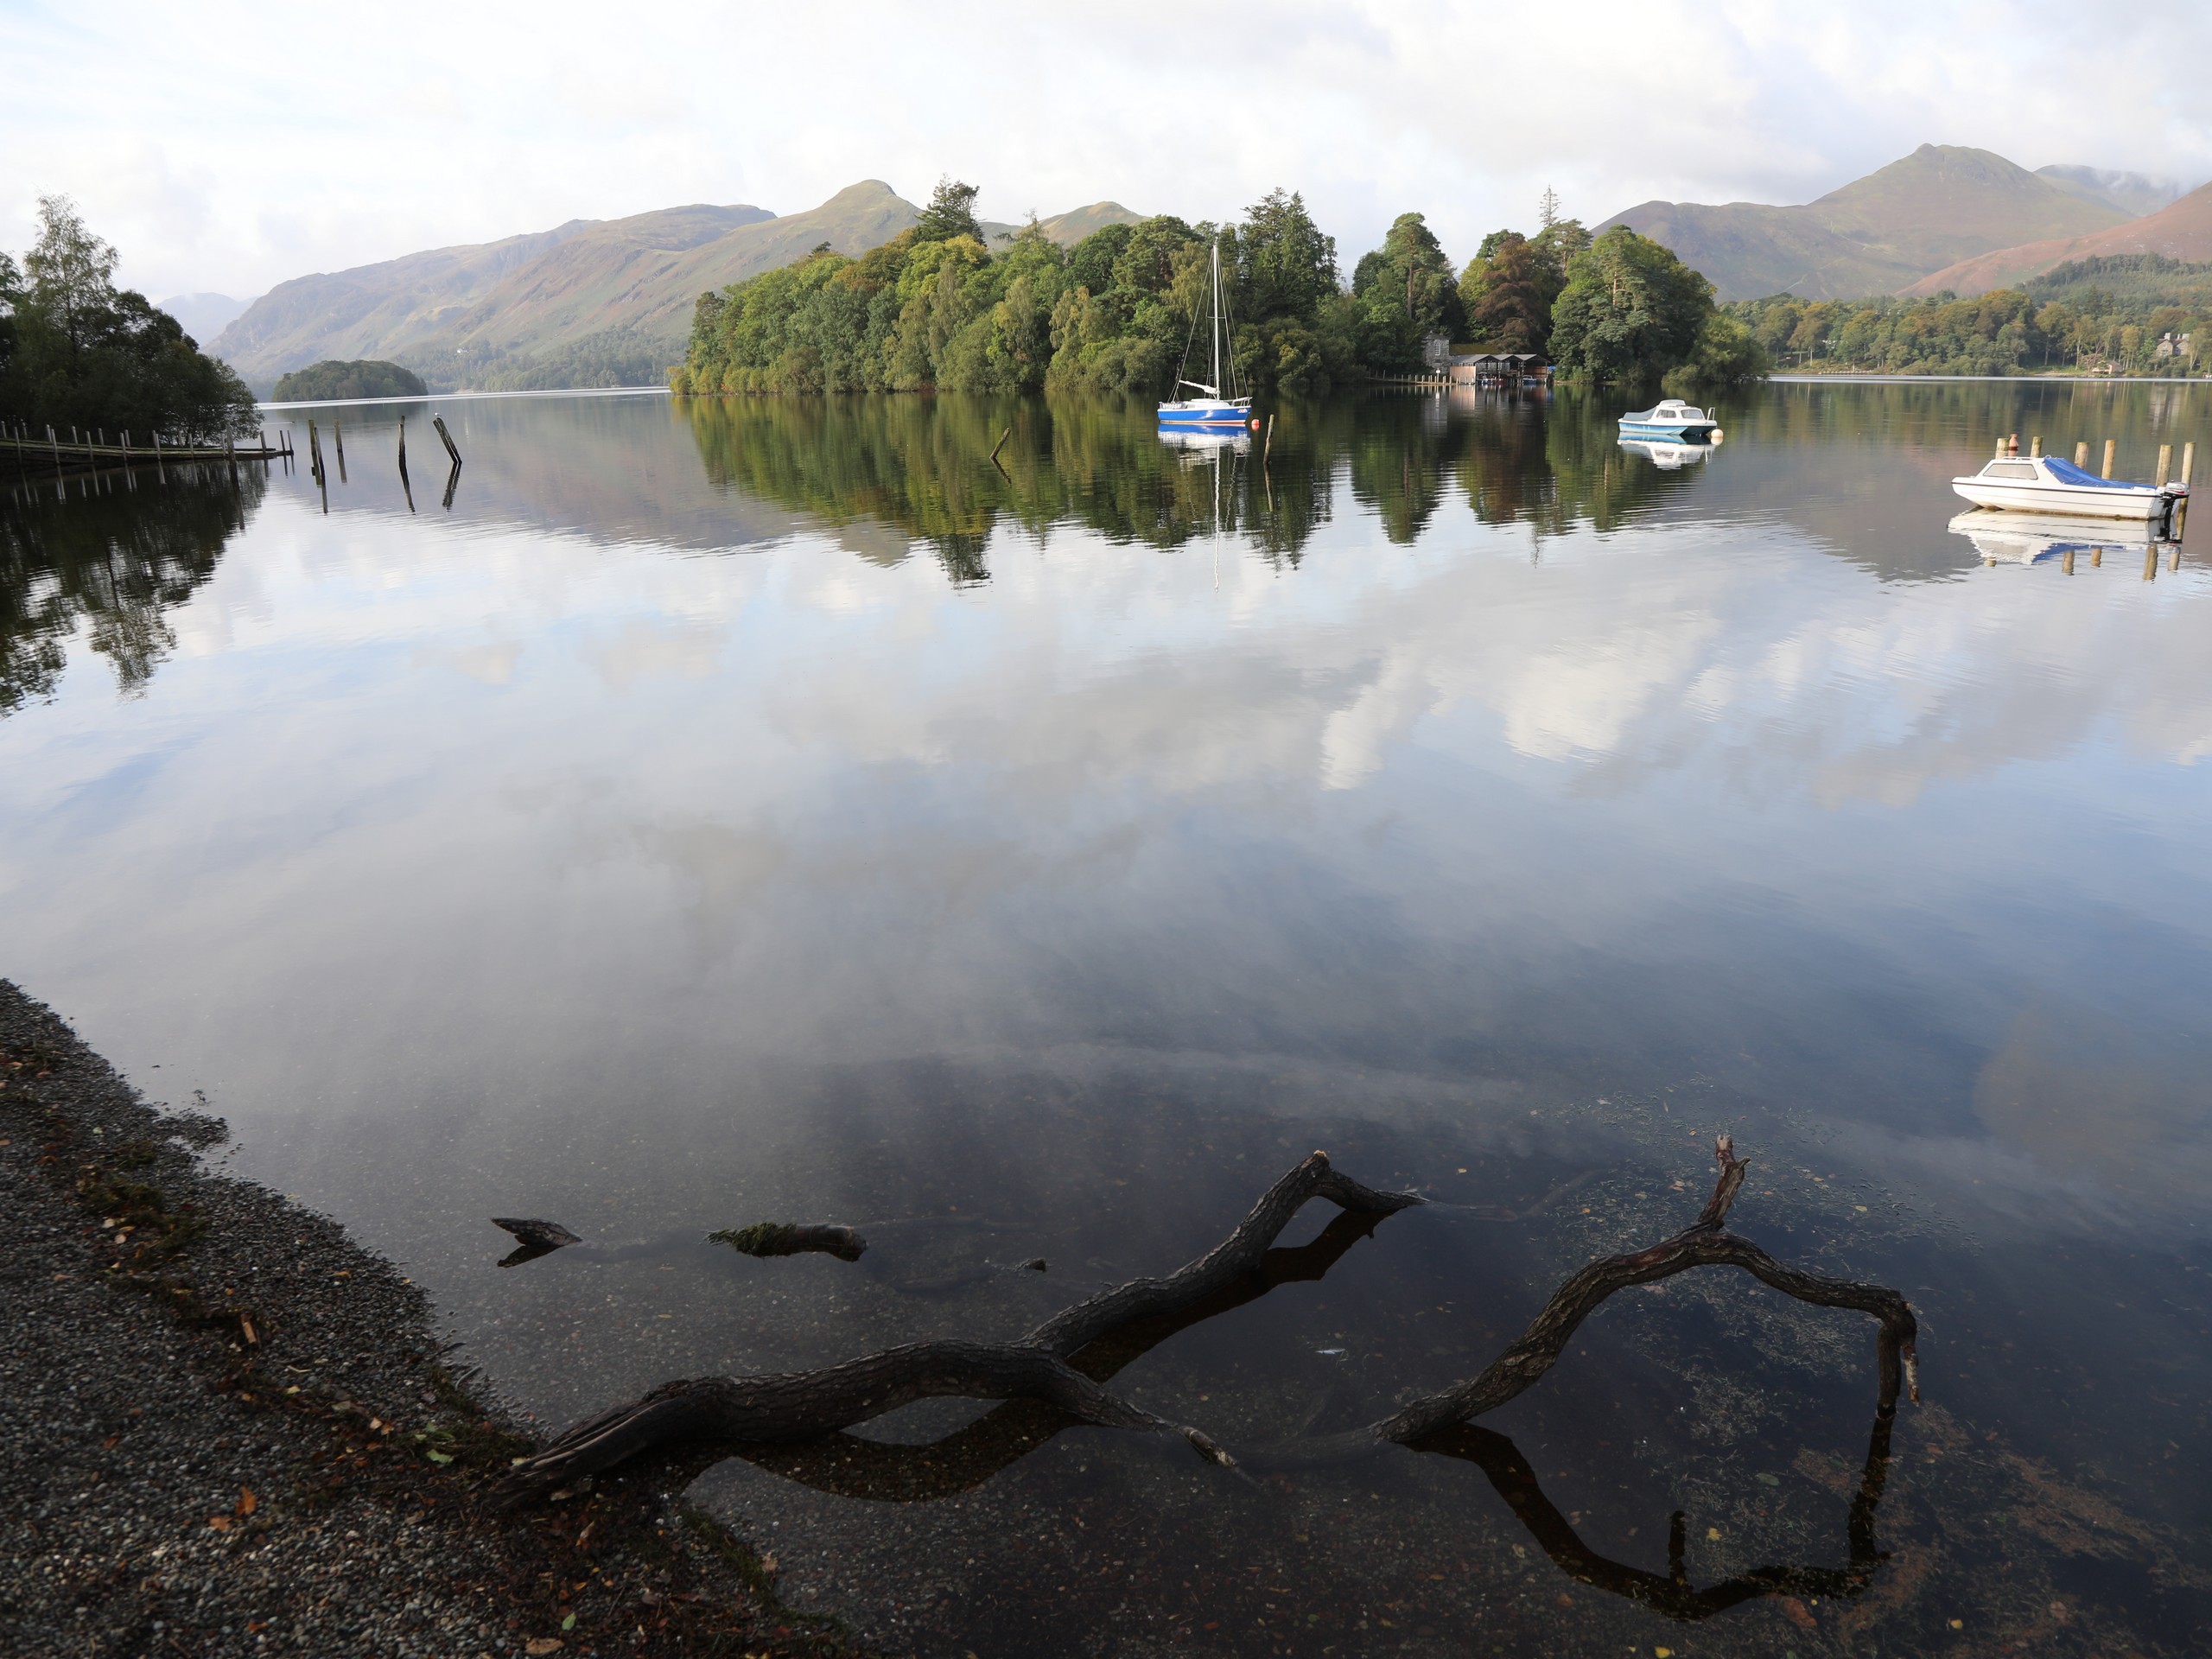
(2001, 538)
(1666, 457)
(1669, 420)
(2046, 484)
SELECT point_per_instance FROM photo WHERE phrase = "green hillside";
(1938, 205)
(589, 303)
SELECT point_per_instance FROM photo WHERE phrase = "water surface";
(781, 809)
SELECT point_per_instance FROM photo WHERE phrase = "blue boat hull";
(1672, 431)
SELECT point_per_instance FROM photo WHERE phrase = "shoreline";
(230, 1429)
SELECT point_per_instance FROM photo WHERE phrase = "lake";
(782, 809)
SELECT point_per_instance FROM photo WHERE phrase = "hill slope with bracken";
(2181, 232)
(1939, 205)
(590, 302)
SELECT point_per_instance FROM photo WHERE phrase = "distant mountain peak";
(1876, 234)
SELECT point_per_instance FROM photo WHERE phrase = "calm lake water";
(776, 811)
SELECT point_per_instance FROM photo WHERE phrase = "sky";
(225, 149)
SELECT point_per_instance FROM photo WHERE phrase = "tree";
(69, 269)
(952, 212)
(1631, 310)
(1508, 292)
(1725, 356)
(1284, 266)
(75, 351)
(1410, 273)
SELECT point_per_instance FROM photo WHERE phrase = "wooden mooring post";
(446, 437)
(2166, 464)
(2110, 445)
(2081, 455)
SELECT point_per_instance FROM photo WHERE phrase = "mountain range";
(1935, 209)
(583, 303)
(2182, 231)
(607, 301)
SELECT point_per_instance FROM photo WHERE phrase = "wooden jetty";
(94, 450)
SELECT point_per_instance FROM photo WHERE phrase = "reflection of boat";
(1664, 455)
(1199, 437)
(1670, 418)
(2046, 484)
(2026, 537)
(1213, 409)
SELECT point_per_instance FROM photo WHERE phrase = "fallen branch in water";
(785, 1409)
(1701, 1245)
(805, 1405)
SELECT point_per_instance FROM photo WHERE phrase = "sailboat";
(1213, 411)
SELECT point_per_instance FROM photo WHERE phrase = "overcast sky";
(228, 147)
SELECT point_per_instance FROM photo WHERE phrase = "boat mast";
(1216, 316)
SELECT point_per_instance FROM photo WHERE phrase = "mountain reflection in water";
(781, 808)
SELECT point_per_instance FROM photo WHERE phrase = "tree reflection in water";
(110, 554)
(924, 465)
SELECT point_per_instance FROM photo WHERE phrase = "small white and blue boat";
(2046, 484)
(1671, 420)
(1213, 412)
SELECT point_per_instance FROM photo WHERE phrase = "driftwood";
(533, 1238)
(750, 1414)
(782, 1409)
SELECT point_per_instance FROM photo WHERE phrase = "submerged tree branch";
(1060, 1364)
(800, 1406)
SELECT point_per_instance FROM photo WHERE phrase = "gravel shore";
(225, 1428)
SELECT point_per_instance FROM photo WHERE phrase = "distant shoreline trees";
(2118, 314)
(75, 351)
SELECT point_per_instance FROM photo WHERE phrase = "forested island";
(332, 381)
(936, 308)
(2116, 314)
(75, 351)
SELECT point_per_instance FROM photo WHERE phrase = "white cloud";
(222, 153)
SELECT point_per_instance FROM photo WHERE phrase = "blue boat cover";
(2067, 473)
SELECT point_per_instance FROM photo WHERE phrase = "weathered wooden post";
(2069, 561)
(338, 437)
(446, 437)
(2034, 445)
(2096, 556)
(2081, 455)
(2110, 445)
(2151, 563)
(406, 486)
(2165, 463)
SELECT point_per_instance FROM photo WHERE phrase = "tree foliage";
(1509, 287)
(2133, 313)
(77, 351)
(934, 308)
(331, 381)
(1407, 293)
(1629, 310)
